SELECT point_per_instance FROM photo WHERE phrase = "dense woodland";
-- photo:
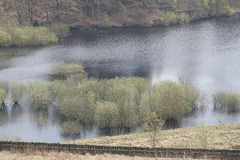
(108, 13)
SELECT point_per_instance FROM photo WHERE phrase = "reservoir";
(206, 51)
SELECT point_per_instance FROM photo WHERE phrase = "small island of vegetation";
(111, 104)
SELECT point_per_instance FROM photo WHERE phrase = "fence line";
(129, 151)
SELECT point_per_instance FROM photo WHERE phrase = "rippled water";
(208, 52)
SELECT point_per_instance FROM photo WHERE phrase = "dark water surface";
(208, 52)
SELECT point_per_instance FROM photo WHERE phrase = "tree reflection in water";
(3, 115)
(40, 118)
(16, 113)
(71, 130)
(171, 124)
(114, 131)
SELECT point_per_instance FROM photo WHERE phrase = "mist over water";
(207, 52)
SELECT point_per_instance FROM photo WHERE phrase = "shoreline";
(60, 41)
(153, 25)
(223, 136)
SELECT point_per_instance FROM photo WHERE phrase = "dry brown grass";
(225, 136)
(65, 156)
(221, 137)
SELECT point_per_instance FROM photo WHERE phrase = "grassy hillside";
(114, 13)
(225, 136)
(220, 137)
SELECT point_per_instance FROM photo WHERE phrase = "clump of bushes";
(58, 70)
(142, 18)
(5, 38)
(63, 71)
(228, 10)
(169, 18)
(219, 8)
(120, 91)
(39, 94)
(5, 85)
(107, 115)
(4, 90)
(3, 96)
(11, 35)
(84, 101)
(170, 100)
(233, 101)
(183, 18)
(59, 29)
(229, 100)
(18, 90)
(78, 108)
(219, 99)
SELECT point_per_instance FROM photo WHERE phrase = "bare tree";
(4, 6)
(93, 7)
(47, 6)
(1, 10)
(18, 7)
(57, 8)
(30, 8)
(65, 8)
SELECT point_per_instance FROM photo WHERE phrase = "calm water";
(208, 52)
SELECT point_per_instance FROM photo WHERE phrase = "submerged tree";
(4, 84)
(194, 97)
(18, 90)
(4, 90)
(107, 115)
(229, 100)
(121, 93)
(233, 101)
(78, 107)
(71, 128)
(219, 99)
(39, 94)
(63, 71)
(170, 100)
(3, 96)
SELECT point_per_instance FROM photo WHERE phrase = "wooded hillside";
(108, 13)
